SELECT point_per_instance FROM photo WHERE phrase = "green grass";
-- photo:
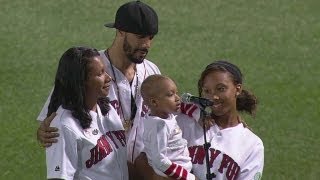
(276, 44)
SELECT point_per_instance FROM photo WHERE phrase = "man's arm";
(45, 134)
(145, 170)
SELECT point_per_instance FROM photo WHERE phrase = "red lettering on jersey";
(233, 168)
(120, 135)
(197, 154)
(104, 148)
(116, 106)
(213, 155)
(192, 151)
(188, 109)
(112, 139)
(224, 163)
(93, 156)
(99, 152)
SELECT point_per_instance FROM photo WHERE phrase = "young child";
(165, 148)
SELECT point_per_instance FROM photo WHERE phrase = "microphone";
(188, 98)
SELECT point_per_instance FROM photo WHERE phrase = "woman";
(92, 143)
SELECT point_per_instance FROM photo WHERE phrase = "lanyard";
(127, 123)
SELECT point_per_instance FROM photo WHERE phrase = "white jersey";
(145, 69)
(134, 135)
(95, 153)
(166, 150)
(235, 153)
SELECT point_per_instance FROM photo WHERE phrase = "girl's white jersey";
(235, 153)
(166, 150)
(95, 153)
(126, 92)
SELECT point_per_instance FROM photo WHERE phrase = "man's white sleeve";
(44, 110)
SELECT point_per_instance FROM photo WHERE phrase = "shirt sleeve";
(151, 67)
(158, 156)
(43, 113)
(62, 157)
(254, 164)
(191, 110)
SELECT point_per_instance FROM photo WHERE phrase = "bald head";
(152, 86)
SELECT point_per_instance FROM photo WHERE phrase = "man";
(136, 24)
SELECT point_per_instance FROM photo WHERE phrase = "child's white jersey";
(95, 153)
(126, 92)
(235, 153)
(166, 150)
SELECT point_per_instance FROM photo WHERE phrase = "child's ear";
(153, 102)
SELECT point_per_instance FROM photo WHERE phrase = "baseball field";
(276, 43)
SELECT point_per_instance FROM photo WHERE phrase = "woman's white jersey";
(235, 153)
(95, 153)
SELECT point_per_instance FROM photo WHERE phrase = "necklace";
(127, 123)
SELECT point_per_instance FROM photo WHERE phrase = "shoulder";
(66, 122)
(112, 120)
(251, 136)
(64, 117)
(149, 67)
(151, 122)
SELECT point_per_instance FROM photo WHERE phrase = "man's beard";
(131, 53)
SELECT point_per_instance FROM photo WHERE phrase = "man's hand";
(45, 134)
(145, 170)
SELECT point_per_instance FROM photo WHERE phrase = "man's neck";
(119, 60)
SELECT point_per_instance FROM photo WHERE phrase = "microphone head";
(185, 97)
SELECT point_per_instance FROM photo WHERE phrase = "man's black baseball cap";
(136, 17)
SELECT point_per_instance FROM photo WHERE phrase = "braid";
(103, 102)
(247, 102)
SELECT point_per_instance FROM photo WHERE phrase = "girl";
(235, 151)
